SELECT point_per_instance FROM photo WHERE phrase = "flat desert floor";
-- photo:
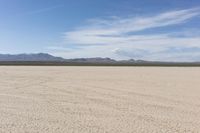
(37, 99)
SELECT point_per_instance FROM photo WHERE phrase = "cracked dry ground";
(99, 99)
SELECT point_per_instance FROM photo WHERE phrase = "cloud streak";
(105, 31)
(118, 37)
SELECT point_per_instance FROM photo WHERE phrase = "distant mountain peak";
(30, 57)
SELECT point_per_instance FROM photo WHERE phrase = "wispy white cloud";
(104, 31)
(117, 37)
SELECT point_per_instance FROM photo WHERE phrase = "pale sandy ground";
(99, 100)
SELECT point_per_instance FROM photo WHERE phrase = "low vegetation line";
(47, 63)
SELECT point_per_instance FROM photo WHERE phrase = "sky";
(157, 30)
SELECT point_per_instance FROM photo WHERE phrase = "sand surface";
(99, 100)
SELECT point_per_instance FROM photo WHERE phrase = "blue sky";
(121, 29)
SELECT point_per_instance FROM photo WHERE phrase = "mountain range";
(47, 59)
(30, 57)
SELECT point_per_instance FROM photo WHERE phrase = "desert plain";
(69, 99)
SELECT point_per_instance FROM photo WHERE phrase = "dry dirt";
(99, 99)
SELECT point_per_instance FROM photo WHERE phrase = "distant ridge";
(94, 60)
(45, 59)
(48, 57)
(30, 57)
